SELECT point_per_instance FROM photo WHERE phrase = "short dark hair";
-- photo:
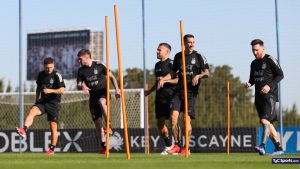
(48, 60)
(257, 41)
(84, 52)
(188, 36)
(165, 45)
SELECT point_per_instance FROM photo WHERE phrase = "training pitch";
(141, 161)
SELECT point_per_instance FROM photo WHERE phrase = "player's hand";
(160, 84)
(195, 80)
(85, 90)
(118, 93)
(247, 85)
(146, 92)
(265, 89)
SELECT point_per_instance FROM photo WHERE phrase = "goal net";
(74, 112)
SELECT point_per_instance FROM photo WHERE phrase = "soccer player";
(265, 74)
(164, 94)
(196, 69)
(91, 79)
(50, 87)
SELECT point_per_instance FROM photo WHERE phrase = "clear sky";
(223, 31)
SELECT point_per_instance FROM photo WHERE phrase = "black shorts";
(265, 106)
(50, 108)
(96, 108)
(162, 108)
(177, 103)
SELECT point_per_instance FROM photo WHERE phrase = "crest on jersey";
(193, 61)
(51, 81)
(95, 71)
(264, 66)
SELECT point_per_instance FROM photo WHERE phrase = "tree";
(9, 87)
(134, 78)
(32, 87)
(291, 117)
(211, 104)
(1, 85)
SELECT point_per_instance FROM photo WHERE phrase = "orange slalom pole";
(147, 124)
(228, 117)
(107, 86)
(121, 82)
(185, 92)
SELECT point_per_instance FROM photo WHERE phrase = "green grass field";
(140, 161)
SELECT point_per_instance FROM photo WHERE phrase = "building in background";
(62, 46)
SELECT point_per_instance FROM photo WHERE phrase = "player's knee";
(189, 129)
(53, 125)
(164, 129)
(102, 101)
(34, 111)
(265, 122)
(174, 120)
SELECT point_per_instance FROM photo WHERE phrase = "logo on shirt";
(95, 71)
(193, 61)
(264, 66)
(51, 81)
(158, 70)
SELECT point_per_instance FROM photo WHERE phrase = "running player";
(91, 79)
(265, 74)
(164, 94)
(196, 69)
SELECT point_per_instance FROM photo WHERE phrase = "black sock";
(25, 128)
(167, 141)
(51, 147)
(263, 145)
(178, 143)
(278, 146)
(102, 144)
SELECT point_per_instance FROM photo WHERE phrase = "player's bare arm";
(148, 92)
(205, 74)
(114, 80)
(172, 81)
(37, 93)
(60, 90)
(83, 87)
(162, 81)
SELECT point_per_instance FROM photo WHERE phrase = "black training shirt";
(162, 68)
(195, 64)
(50, 81)
(265, 71)
(94, 77)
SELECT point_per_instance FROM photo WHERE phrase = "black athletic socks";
(102, 144)
(168, 141)
(25, 128)
(51, 147)
(278, 146)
